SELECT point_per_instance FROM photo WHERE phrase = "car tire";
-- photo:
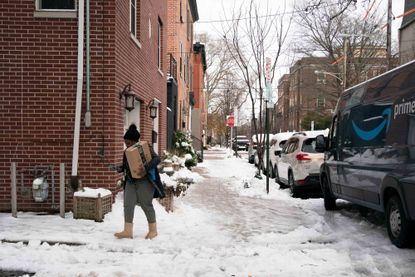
(399, 227)
(291, 184)
(329, 200)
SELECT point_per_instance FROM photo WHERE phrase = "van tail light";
(301, 182)
(302, 157)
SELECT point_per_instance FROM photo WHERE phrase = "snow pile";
(92, 193)
(169, 182)
(184, 175)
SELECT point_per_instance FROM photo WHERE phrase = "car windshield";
(309, 146)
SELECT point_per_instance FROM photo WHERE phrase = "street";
(219, 228)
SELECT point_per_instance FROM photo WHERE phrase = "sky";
(225, 225)
(213, 12)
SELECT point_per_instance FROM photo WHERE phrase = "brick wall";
(38, 75)
(176, 33)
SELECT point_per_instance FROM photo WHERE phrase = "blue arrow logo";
(369, 135)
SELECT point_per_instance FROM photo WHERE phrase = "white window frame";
(133, 5)
(181, 59)
(159, 43)
(55, 13)
(136, 26)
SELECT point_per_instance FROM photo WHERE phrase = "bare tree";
(219, 62)
(253, 34)
(223, 88)
(327, 28)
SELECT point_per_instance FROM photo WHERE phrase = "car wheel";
(399, 227)
(291, 184)
(329, 200)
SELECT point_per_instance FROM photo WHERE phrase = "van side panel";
(375, 138)
(409, 194)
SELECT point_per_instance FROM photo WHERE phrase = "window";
(135, 18)
(181, 15)
(282, 143)
(333, 134)
(321, 101)
(191, 77)
(160, 44)
(309, 146)
(188, 24)
(185, 69)
(56, 4)
(181, 59)
(55, 9)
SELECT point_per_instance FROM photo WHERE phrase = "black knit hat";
(132, 133)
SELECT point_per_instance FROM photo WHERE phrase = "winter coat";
(152, 175)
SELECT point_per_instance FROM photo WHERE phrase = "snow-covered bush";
(184, 148)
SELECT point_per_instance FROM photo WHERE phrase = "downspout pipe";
(88, 70)
(75, 151)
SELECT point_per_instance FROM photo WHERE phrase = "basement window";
(56, 4)
(56, 8)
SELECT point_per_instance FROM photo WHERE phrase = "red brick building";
(181, 16)
(40, 80)
(199, 109)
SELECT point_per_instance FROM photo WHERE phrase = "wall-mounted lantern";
(129, 97)
(153, 106)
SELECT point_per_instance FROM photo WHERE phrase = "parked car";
(299, 164)
(252, 147)
(240, 143)
(276, 144)
(263, 145)
(370, 154)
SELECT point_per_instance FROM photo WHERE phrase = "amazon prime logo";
(404, 108)
(371, 134)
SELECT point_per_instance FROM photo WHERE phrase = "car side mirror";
(277, 153)
(320, 144)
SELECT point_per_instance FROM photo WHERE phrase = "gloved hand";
(115, 167)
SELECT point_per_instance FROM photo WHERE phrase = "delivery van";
(370, 151)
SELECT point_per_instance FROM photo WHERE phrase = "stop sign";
(230, 120)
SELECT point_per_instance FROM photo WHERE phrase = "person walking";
(141, 190)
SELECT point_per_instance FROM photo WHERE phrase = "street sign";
(230, 120)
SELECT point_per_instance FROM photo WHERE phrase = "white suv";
(276, 145)
(299, 164)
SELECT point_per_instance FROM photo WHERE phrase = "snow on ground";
(220, 228)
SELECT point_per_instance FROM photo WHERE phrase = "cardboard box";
(137, 156)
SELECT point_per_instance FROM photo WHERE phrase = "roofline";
(379, 76)
(200, 48)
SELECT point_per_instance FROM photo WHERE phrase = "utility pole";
(268, 105)
(346, 41)
(388, 36)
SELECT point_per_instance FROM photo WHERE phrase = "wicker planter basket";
(92, 208)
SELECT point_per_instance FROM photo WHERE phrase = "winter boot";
(152, 230)
(127, 233)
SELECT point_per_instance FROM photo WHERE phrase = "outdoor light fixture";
(129, 97)
(153, 105)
